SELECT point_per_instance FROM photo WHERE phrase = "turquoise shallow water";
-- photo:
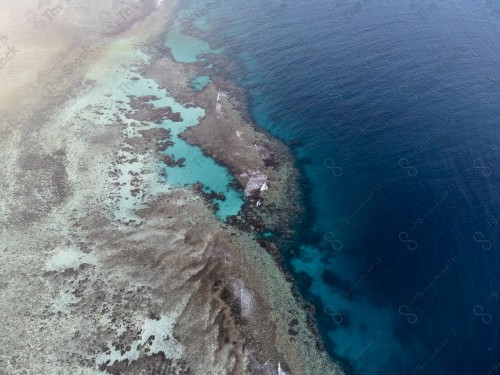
(199, 82)
(197, 166)
(186, 48)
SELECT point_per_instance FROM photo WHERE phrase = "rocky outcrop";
(256, 184)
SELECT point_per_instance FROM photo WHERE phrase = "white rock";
(255, 183)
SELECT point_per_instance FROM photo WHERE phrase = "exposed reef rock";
(256, 184)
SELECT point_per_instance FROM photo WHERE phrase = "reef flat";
(125, 248)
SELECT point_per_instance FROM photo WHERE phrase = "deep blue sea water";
(393, 112)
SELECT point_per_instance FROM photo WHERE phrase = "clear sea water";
(199, 82)
(392, 110)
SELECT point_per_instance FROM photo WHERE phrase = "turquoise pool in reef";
(197, 167)
(199, 82)
(186, 48)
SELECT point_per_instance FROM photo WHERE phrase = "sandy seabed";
(105, 267)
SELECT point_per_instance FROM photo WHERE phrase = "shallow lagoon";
(200, 82)
(198, 167)
(186, 48)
